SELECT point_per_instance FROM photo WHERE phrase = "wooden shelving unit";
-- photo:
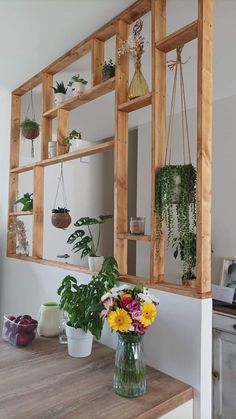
(200, 29)
(20, 213)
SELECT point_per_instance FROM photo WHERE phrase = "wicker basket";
(30, 133)
(61, 220)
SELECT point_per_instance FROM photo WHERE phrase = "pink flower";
(133, 306)
(103, 314)
(109, 302)
(136, 314)
(125, 300)
(139, 328)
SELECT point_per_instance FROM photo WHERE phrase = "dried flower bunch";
(134, 46)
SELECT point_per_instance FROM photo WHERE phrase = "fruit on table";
(20, 330)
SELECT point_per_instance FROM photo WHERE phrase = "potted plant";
(61, 218)
(86, 243)
(27, 201)
(77, 85)
(29, 128)
(83, 306)
(108, 70)
(181, 201)
(59, 93)
(73, 141)
(186, 250)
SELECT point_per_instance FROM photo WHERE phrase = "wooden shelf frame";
(200, 29)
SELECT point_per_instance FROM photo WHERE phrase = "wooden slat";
(204, 145)
(20, 213)
(90, 94)
(121, 152)
(141, 237)
(97, 61)
(182, 36)
(46, 124)
(137, 103)
(62, 130)
(25, 168)
(37, 250)
(158, 128)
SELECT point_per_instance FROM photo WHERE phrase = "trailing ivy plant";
(83, 302)
(86, 243)
(190, 264)
(181, 202)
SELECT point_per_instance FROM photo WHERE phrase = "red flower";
(125, 300)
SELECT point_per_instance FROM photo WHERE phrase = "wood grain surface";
(42, 382)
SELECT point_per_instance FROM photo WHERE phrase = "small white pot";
(95, 263)
(76, 144)
(79, 342)
(59, 98)
(77, 88)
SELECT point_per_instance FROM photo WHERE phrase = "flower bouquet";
(129, 312)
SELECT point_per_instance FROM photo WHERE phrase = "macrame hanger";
(62, 184)
(177, 66)
(31, 107)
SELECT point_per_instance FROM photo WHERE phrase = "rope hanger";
(27, 115)
(62, 184)
(177, 67)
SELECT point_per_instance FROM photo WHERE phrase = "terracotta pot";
(30, 133)
(61, 220)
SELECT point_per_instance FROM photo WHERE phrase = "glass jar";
(137, 225)
(62, 330)
(52, 149)
(130, 371)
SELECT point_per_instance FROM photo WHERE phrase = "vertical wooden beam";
(204, 145)
(46, 124)
(37, 250)
(158, 128)
(62, 130)
(121, 151)
(97, 61)
(14, 162)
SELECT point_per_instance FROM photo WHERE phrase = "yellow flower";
(126, 296)
(119, 320)
(148, 314)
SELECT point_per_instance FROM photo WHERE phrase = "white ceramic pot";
(77, 88)
(59, 98)
(50, 318)
(79, 342)
(77, 144)
(95, 263)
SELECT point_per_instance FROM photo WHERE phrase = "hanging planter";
(29, 126)
(60, 215)
(176, 189)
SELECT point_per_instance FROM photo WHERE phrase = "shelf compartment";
(137, 103)
(20, 213)
(135, 237)
(182, 36)
(89, 95)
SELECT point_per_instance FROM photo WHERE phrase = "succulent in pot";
(29, 128)
(86, 242)
(186, 250)
(108, 69)
(72, 142)
(77, 85)
(61, 218)
(59, 92)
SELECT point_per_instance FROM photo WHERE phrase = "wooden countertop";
(223, 309)
(42, 382)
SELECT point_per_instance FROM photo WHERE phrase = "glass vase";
(130, 371)
(138, 86)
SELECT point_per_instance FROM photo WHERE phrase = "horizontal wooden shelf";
(99, 148)
(137, 103)
(20, 213)
(179, 38)
(89, 95)
(135, 237)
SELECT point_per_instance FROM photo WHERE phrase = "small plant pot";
(77, 88)
(59, 98)
(30, 133)
(61, 220)
(189, 282)
(77, 144)
(95, 263)
(79, 342)
(108, 73)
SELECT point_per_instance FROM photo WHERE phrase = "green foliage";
(180, 246)
(29, 123)
(83, 302)
(109, 65)
(185, 206)
(60, 88)
(77, 79)
(73, 134)
(60, 210)
(86, 243)
(26, 201)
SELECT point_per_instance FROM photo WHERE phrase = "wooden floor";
(42, 382)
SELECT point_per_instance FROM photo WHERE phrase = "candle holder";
(137, 225)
